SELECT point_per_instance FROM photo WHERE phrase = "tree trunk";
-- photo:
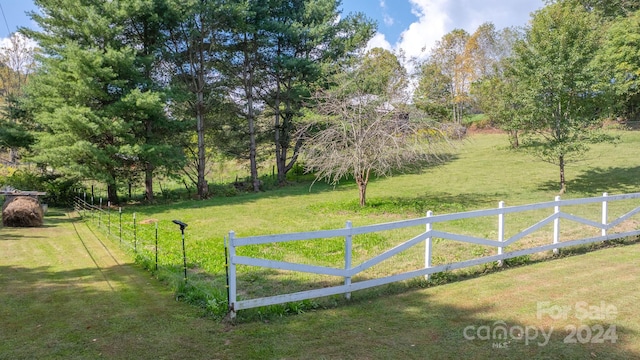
(250, 119)
(13, 156)
(362, 180)
(149, 167)
(281, 157)
(148, 182)
(362, 188)
(112, 193)
(203, 187)
(563, 185)
(515, 141)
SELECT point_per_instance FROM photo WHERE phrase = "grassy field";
(70, 275)
(68, 294)
(481, 172)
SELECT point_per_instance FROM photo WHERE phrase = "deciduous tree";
(560, 100)
(366, 130)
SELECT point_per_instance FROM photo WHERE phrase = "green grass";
(482, 172)
(67, 296)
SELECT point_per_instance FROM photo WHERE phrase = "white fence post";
(428, 246)
(556, 225)
(348, 246)
(500, 230)
(604, 214)
(232, 276)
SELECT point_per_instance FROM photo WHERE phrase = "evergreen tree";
(91, 96)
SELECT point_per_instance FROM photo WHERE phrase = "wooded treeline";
(122, 91)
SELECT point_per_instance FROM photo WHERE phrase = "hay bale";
(22, 211)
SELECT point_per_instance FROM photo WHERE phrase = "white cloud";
(417, 41)
(379, 40)
(419, 38)
(388, 20)
(435, 18)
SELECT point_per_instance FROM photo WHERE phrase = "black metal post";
(156, 246)
(226, 267)
(120, 211)
(135, 235)
(184, 252)
(109, 215)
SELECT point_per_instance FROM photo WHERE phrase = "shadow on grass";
(302, 188)
(89, 313)
(112, 313)
(15, 236)
(419, 204)
(405, 323)
(599, 180)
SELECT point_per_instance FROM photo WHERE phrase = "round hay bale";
(22, 211)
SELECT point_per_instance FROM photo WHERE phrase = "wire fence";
(159, 246)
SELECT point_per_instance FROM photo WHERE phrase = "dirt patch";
(148, 221)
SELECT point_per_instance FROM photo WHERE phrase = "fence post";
(347, 257)
(156, 246)
(120, 212)
(500, 231)
(556, 225)
(232, 276)
(604, 215)
(109, 216)
(135, 235)
(100, 214)
(428, 244)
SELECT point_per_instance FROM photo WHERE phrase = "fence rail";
(347, 271)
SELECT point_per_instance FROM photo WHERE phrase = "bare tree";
(16, 64)
(364, 133)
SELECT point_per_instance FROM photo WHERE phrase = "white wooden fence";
(347, 270)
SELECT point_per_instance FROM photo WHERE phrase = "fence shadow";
(415, 323)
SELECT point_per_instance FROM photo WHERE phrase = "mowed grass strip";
(67, 296)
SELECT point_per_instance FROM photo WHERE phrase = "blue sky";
(14, 12)
(412, 26)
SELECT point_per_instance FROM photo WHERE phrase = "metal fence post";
(135, 235)
(428, 244)
(109, 216)
(232, 276)
(100, 214)
(556, 225)
(120, 214)
(156, 246)
(500, 230)
(347, 257)
(604, 215)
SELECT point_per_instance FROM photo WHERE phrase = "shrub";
(60, 190)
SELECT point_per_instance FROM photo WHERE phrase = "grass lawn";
(481, 172)
(66, 294)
